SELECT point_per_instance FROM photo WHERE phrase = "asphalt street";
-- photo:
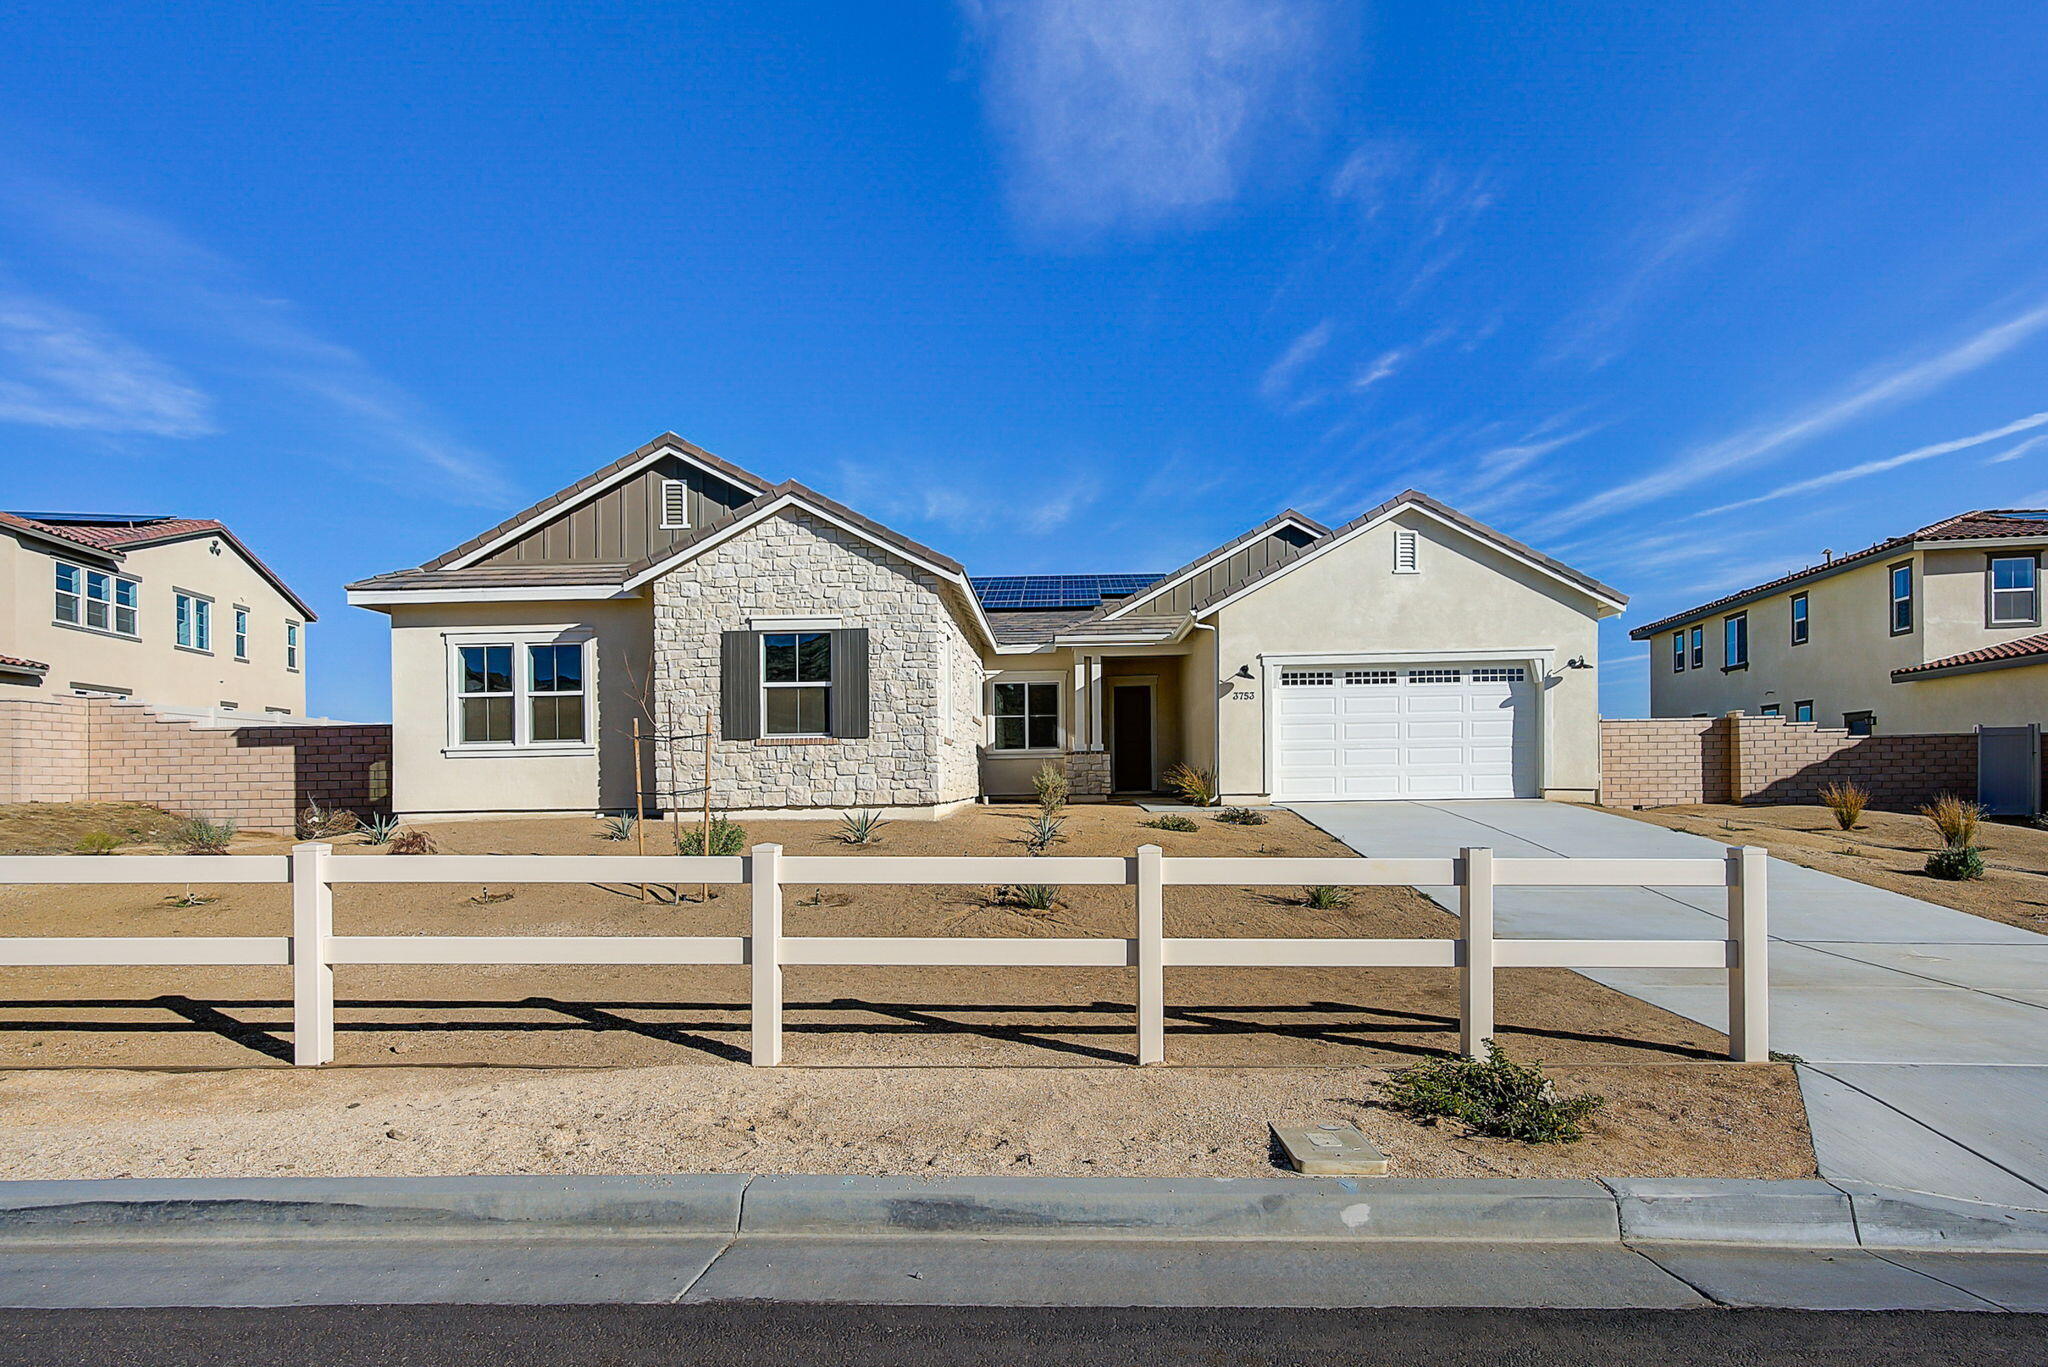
(731, 1335)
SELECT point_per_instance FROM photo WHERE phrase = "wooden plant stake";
(639, 802)
(704, 892)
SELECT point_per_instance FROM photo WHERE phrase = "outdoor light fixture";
(1577, 662)
(1244, 671)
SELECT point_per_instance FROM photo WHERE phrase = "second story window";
(291, 646)
(241, 633)
(1798, 619)
(1902, 597)
(1699, 647)
(95, 599)
(2015, 591)
(195, 621)
(1677, 652)
(1735, 641)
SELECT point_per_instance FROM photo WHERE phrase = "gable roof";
(2025, 650)
(1286, 517)
(1442, 512)
(589, 487)
(114, 536)
(1981, 524)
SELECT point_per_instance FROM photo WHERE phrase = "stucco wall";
(797, 565)
(1467, 597)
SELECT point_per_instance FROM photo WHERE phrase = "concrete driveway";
(1924, 1030)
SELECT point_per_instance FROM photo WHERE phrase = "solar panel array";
(1021, 592)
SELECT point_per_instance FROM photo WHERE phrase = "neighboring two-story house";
(1936, 630)
(167, 610)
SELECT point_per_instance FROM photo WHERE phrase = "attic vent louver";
(1405, 557)
(675, 503)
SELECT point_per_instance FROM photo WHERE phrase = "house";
(168, 610)
(836, 663)
(1938, 630)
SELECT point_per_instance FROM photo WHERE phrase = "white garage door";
(1352, 732)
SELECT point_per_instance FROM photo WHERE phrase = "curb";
(1802, 1214)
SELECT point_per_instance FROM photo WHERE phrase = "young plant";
(1956, 863)
(1493, 1096)
(618, 827)
(1846, 801)
(1196, 787)
(1042, 832)
(197, 835)
(727, 837)
(1029, 896)
(1052, 788)
(409, 841)
(861, 828)
(1322, 897)
(378, 828)
(97, 842)
(1954, 820)
(1242, 816)
(1172, 821)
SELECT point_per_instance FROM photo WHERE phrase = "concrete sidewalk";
(1924, 1030)
(1307, 1242)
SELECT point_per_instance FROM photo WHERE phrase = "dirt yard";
(889, 1069)
(1886, 850)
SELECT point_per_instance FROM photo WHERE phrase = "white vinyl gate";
(1358, 732)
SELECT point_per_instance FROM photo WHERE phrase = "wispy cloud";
(1382, 367)
(1872, 392)
(2014, 452)
(1878, 467)
(59, 368)
(1278, 381)
(1140, 112)
(1655, 255)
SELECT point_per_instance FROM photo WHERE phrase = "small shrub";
(486, 898)
(1325, 898)
(378, 828)
(1029, 896)
(861, 828)
(1493, 1096)
(1043, 831)
(1052, 788)
(1846, 801)
(409, 841)
(727, 837)
(323, 823)
(620, 827)
(1956, 863)
(1196, 787)
(197, 835)
(189, 898)
(97, 842)
(1172, 821)
(1242, 816)
(1954, 820)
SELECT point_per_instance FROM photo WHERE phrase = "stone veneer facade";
(924, 674)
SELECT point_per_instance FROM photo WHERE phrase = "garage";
(1428, 730)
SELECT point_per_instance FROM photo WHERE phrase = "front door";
(1130, 738)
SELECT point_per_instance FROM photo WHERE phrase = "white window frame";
(2032, 560)
(675, 503)
(238, 616)
(830, 683)
(82, 599)
(293, 644)
(1059, 684)
(192, 621)
(522, 742)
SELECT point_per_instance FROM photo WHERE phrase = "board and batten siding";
(623, 524)
(1226, 574)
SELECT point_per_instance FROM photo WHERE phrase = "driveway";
(1924, 1030)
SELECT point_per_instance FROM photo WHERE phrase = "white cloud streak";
(2016, 451)
(1658, 254)
(1878, 467)
(59, 368)
(1279, 378)
(1139, 112)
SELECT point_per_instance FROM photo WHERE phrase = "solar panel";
(1020, 592)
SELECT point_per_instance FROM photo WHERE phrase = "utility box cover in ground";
(1330, 1150)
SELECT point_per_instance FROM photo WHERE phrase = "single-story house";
(838, 664)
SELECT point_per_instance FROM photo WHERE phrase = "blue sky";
(1681, 293)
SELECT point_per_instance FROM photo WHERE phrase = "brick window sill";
(796, 740)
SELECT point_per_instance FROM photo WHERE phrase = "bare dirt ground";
(1886, 850)
(57, 827)
(889, 1069)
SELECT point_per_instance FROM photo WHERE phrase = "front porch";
(1120, 722)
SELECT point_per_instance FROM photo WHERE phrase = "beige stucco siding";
(152, 666)
(1961, 702)
(1467, 597)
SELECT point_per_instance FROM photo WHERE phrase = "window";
(675, 503)
(1026, 716)
(1678, 652)
(241, 632)
(1369, 676)
(1769, 709)
(1860, 723)
(796, 683)
(1902, 598)
(1500, 675)
(554, 693)
(486, 693)
(1735, 641)
(1803, 711)
(1307, 678)
(1416, 676)
(92, 598)
(1799, 626)
(1405, 558)
(1699, 647)
(291, 646)
(2015, 590)
(195, 621)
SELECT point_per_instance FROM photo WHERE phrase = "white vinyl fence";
(313, 948)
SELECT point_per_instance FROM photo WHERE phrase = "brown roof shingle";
(15, 662)
(2024, 650)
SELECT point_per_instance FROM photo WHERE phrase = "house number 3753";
(1241, 695)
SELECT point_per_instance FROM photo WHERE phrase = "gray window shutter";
(739, 685)
(850, 684)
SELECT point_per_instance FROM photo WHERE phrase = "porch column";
(1096, 739)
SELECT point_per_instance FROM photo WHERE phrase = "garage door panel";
(1425, 731)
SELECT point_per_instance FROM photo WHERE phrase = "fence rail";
(1477, 953)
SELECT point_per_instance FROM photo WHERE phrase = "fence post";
(312, 975)
(764, 872)
(1475, 917)
(1749, 983)
(1151, 955)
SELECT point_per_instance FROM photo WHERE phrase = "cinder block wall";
(1670, 760)
(44, 745)
(1663, 761)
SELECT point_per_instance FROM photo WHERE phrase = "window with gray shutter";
(739, 685)
(850, 683)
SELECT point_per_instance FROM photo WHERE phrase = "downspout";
(1215, 705)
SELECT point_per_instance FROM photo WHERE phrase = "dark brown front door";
(1130, 738)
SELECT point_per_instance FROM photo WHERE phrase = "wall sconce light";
(1577, 662)
(1243, 672)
